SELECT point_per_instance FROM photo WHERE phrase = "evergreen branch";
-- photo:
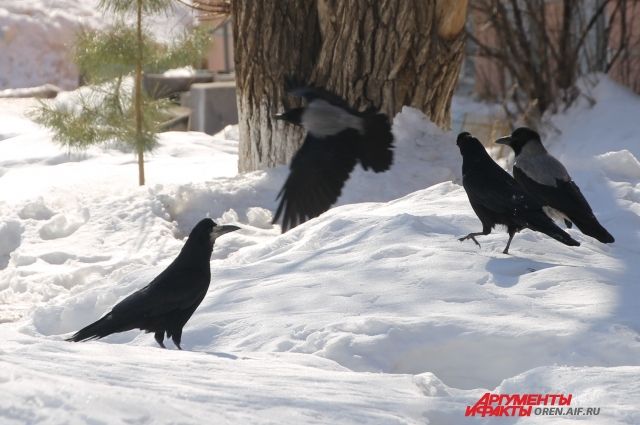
(128, 6)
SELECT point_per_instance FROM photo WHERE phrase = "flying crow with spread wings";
(547, 180)
(167, 303)
(496, 197)
(337, 138)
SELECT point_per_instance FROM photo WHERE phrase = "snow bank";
(620, 164)
(35, 37)
(611, 125)
(71, 197)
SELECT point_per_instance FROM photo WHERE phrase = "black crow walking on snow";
(338, 137)
(166, 304)
(497, 198)
(547, 180)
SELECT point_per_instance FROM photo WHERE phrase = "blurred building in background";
(219, 58)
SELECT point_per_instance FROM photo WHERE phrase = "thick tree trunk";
(274, 39)
(390, 53)
(381, 53)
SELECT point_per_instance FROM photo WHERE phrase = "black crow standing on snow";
(496, 197)
(166, 304)
(546, 179)
(337, 138)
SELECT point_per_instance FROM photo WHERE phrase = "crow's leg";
(472, 236)
(177, 337)
(159, 336)
(568, 223)
(512, 232)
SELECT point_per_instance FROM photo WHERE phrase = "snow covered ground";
(371, 313)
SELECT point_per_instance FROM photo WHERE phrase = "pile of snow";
(37, 37)
(373, 312)
(610, 125)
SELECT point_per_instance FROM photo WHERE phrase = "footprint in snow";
(393, 252)
(36, 210)
(507, 271)
(10, 240)
(59, 226)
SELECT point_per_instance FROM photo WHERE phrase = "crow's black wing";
(176, 288)
(567, 198)
(488, 185)
(376, 146)
(318, 172)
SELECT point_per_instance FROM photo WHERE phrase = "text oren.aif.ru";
(528, 405)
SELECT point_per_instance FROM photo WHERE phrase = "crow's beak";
(221, 230)
(279, 116)
(504, 141)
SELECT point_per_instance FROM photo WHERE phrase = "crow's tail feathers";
(96, 330)
(542, 223)
(591, 227)
(376, 149)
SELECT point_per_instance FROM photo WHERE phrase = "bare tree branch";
(545, 47)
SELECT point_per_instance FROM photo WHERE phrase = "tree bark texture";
(273, 39)
(390, 53)
(380, 53)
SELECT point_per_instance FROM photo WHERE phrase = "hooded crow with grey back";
(338, 137)
(547, 180)
(167, 303)
(496, 198)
